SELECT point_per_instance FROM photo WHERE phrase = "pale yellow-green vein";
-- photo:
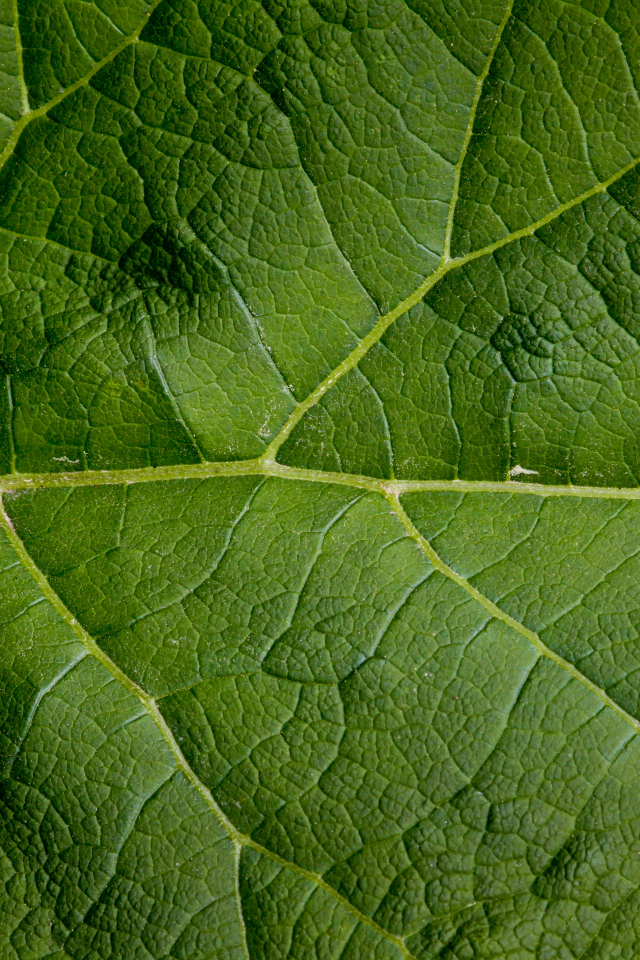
(260, 467)
(445, 267)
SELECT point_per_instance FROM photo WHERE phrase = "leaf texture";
(320, 472)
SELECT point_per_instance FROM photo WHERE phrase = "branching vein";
(445, 267)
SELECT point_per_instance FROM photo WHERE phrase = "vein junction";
(266, 465)
(391, 490)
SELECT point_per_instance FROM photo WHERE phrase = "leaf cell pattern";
(320, 472)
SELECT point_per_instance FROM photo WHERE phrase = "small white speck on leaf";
(517, 471)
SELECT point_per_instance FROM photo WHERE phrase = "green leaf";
(320, 471)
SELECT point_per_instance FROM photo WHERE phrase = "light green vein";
(269, 468)
(173, 403)
(238, 839)
(549, 218)
(499, 614)
(44, 109)
(35, 238)
(514, 487)
(469, 131)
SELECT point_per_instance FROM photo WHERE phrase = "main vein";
(269, 468)
(238, 839)
(391, 490)
(500, 614)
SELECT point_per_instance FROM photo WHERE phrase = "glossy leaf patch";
(320, 472)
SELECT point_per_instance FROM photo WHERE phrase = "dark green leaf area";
(11, 99)
(291, 911)
(268, 177)
(213, 153)
(374, 101)
(62, 40)
(357, 713)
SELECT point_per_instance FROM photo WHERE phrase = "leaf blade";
(379, 698)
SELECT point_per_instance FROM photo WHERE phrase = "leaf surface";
(319, 418)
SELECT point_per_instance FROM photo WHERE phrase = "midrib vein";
(269, 468)
(499, 614)
(238, 839)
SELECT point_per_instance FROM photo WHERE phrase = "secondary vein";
(27, 117)
(500, 614)
(238, 897)
(354, 358)
(446, 266)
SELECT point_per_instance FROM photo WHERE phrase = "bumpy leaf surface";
(320, 464)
